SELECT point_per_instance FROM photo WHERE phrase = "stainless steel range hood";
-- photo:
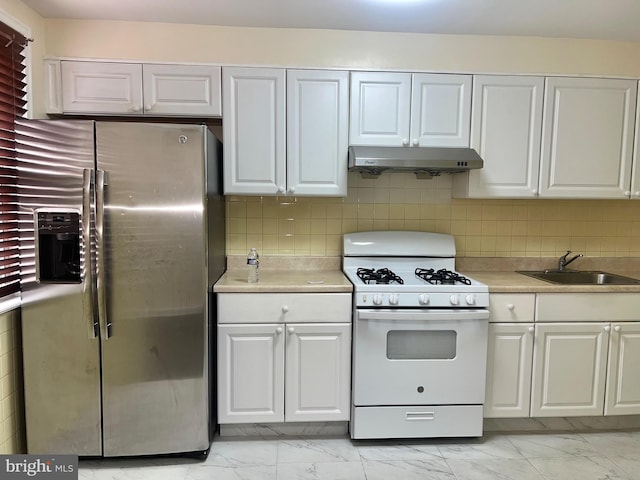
(424, 161)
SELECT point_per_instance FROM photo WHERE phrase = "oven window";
(421, 344)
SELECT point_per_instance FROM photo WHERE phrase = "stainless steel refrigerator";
(122, 233)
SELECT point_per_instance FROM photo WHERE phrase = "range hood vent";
(423, 161)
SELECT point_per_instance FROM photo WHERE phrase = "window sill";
(10, 302)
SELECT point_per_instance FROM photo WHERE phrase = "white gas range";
(420, 337)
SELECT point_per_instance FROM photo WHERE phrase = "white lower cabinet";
(623, 380)
(508, 389)
(284, 371)
(569, 369)
(579, 357)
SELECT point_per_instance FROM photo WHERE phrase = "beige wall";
(346, 49)
(300, 226)
(11, 410)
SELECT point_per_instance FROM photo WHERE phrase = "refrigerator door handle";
(87, 274)
(105, 324)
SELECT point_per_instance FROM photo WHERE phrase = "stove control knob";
(454, 300)
(393, 299)
(423, 299)
(377, 299)
(470, 299)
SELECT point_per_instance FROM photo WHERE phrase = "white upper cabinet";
(301, 153)
(253, 109)
(380, 108)
(317, 132)
(97, 87)
(587, 142)
(506, 130)
(401, 109)
(440, 110)
(176, 89)
(133, 89)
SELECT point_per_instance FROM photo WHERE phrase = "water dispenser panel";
(58, 244)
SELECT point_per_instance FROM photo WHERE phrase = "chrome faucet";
(563, 262)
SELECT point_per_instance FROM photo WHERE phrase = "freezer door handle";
(87, 274)
(105, 325)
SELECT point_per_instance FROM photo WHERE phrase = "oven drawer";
(417, 422)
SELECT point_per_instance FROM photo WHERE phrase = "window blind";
(12, 105)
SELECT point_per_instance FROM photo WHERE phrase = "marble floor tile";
(488, 446)
(321, 471)
(494, 469)
(614, 443)
(630, 464)
(397, 450)
(579, 468)
(312, 450)
(431, 469)
(243, 452)
(532, 445)
(138, 473)
(215, 472)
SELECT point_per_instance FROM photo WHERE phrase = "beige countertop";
(289, 281)
(513, 282)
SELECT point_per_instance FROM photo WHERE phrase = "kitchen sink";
(577, 277)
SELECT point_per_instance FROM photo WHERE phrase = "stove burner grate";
(380, 276)
(441, 277)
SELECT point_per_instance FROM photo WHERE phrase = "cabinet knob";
(291, 330)
(292, 190)
(285, 308)
(638, 194)
(416, 142)
(511, 306)
(280, 189)
(627, 193)
(148, 107)
(279, 330)
(135, 108)
(617, 328)
(607, 328)
(534, 191)
(531, 329)
(405, 141)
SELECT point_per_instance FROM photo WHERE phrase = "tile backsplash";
(313, 226)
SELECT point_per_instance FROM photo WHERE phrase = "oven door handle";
(422, 315)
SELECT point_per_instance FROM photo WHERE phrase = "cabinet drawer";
(587, 307)
(284, 308)
(512, 307)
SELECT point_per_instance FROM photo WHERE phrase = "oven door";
(420, 357)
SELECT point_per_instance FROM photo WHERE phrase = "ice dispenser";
(58, 247)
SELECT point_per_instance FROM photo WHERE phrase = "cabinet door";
(635, 180)
(318, 372)
(506, 129)
(181, 90)
(623, 380)
(587, 138)
(251, 373)
(253, 107)
(509, 362)
(317, 132)
(98, 87)
(569, 368)
(380, 108)
(440, 110)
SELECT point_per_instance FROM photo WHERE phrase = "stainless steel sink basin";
(576, 277)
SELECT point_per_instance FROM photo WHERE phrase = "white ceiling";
(598, 19)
